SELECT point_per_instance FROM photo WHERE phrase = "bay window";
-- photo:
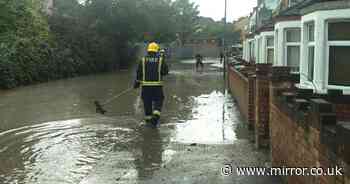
(325, 51)
(287, 37)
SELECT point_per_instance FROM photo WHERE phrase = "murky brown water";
(50, 133)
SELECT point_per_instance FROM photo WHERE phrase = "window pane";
(311, 32)
(339, 65)
(270, 42)
(311, 59)
(339, 31)
(270, 53)
(293, 35)
(252, 50)
(293, 57)
(258, 46)
(276, 43)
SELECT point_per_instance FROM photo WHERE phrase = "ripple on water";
(59, 152)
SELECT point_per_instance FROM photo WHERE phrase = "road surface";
(50, 133)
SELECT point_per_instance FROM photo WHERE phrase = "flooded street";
(50, 133)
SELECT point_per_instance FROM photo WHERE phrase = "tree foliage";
(22, 35)
(83, 37)
(207, 27)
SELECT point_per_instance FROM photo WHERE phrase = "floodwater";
(50, 133)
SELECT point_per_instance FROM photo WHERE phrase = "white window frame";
(245, 46)
(260, 50)
(329, 44)
(276, 53)
(270, 48)
(251, 49)
(261, 46)
(310, 44)
(321, 61)
(288, 44)
(280, 52)
(264, 48)
(257, 49)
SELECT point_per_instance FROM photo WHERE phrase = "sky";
(235, 8)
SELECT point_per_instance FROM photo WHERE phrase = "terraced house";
(310, 36)
(292, 84)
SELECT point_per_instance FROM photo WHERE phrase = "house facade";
(310, 36)
(292, 86)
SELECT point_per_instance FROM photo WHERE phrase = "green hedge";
(32, 50)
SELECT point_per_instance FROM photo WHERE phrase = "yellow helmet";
(153, 47)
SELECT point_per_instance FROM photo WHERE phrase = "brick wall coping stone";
(242, 76)
(282, 73)
(319, 113)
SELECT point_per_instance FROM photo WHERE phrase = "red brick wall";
(295, 146)
(238, 85)
(251, 87)
(302, 138)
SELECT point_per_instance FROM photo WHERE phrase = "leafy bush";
(78, 39)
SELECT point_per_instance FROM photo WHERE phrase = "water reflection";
(209, 124)
(150, 151)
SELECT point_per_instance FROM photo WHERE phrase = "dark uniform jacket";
(151, 70)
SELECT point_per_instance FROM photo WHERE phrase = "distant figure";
(221, 57)
(199, 61)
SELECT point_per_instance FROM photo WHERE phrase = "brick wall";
(305, 132)
(289, 147)
(302, 129)
(239, 87)
(250, 86)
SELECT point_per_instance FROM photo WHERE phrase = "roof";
(326, 5)
(296, 9)
(268, 26)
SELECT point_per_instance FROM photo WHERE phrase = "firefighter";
(150, 74)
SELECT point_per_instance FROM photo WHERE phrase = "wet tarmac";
(50, 133)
